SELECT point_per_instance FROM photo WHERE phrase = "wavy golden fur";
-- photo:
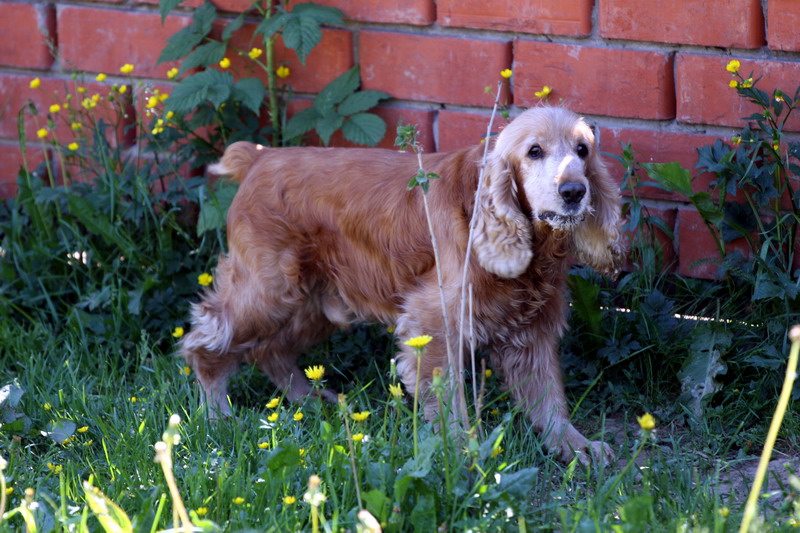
(323, 237)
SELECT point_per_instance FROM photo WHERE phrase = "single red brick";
(102, 40)
(25, 30)
(783, 19)
(601, 81)
(430, 68)
(699, 255)
(704, 96)
(458, 129)
(417, 12)
(11, 162)
(567, 17)
(735, 25)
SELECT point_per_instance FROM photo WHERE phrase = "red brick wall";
(650, 73)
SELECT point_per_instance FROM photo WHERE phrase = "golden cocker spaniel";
(321, 238)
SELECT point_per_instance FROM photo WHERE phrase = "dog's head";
(545, 168)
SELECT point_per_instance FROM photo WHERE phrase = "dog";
(321, 238)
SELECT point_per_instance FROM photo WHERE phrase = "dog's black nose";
(572, 192)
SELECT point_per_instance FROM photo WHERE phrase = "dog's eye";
(536, 152)
(582, 150)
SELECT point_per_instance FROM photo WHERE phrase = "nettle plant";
(235, 107)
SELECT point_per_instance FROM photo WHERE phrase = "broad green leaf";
(210, 85)
(165, 6)
(214, 211)
(250, 91)
(204, 55)
(671, 176)
(337, 90)
(271, 25)
(378, 504)
(702, 366)
(364, 128)
(707, 208)
(180, 44)
(326, 126)
(301, 35)
(321, 14)
(204, 17)
(232, 27)
(60, 430)
(360, 101)
(111, 516)
(285, 455)
(586, 302)
(300, 123)
(423, 515)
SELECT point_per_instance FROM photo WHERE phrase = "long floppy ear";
(597, 241)
(502, 240)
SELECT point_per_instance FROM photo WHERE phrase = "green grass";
(507, 484)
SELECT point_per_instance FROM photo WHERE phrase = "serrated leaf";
(360, 101)
(250, 91)
(203, 56)
(165, 6)
(337, 90)
(326, 126)
(671, 176)
(321, 14)
(301, 122)
(271, 25)
(364, 128)
(214, 211)
(180, 44)
(207, 86)
(301, 34)
(204, 17)
(232, 27)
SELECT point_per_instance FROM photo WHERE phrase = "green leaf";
(703, 365)
(301, 34)
(301, 122)
(60, 430)
(204, 17)
(707, 208)
(321, 14)
(207, 86)
(97, 223)
(269, 26)
(671, 176)
(361, 101)
(182, 42)
(250, 91)
(214, 211)
(337, 90)
(285, 455)
(423, 515)
(232, 27)
(165, 6)
(586, 302)
(203, 56)
(378, 504)
(364, 128)
(111, 516)
(327, 125)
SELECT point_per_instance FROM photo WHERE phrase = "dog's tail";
(237, 160)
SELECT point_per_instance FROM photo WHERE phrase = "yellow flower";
(35, 83)
(746, 84)
(647, 422)
(289, 500)
(83, 429)
(123, 89)
(273, 417)
(47, 407)
(152, 102)
(76, 126)
(134, 399)
(298, 416)
(358, 437)
(488, 373)
(263, 445)
(390, 329)
(127, 68)
(177, 332)
(419, 342)
(396, 390)
(544, 93)
(42, 133)
(733, 66)
(315, 373)
(9, 490)
(497, 451)
(506, 73)
(81, 90)
(185, 371)
(205, 279)
(56, 469)
(733, 84)
(736, 140)
(169, 115)
(360, 417)
(238, 500)
(494, 412)
(88, 442)
(302, 451)
(201, 511)
(55, 108)
(776, 146)
(255, 53)
(101, 77)
(723, 511)
(273, 403)
(283, 71)
(225, 63)
(172, 73)
(163, 96)
(73, 146)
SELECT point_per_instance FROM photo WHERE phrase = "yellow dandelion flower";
(544, 93)
(358, 437)
(488, 373)
(315, 373)
(42, 133)
(152, 102)
(723, 512)
(101, 77)
(360, 417)
(56, 469)
(647, 422)
(75, 126)
(47, 407)
(273, 403)
(283, 72)
(289, 500)
(9, 491)
(201, 511)
(88, 442)
(225, 63)
(506, 73)
(83, 429)
(172, 73)
(163, 96)
(169, 115)
(238, 500)
(177, 332)
(73, 146)
(134, 399)
(390, 329)
(185, 371)
(127, 68)
(298, 416)
(776, 146)
(35, 83)
(733, 84)
(123, 89)
(55, 108)
(396, 390)
(205, 279)
(273, 417)
(733, 66)
(255, 53)
(419, 342)
(81, 90)
(263, 445)
(155, 131)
